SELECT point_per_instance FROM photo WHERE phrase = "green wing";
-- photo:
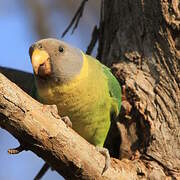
(114, 87)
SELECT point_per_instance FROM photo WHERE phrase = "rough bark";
(139, 40)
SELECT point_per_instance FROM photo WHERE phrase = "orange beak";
(41, 62)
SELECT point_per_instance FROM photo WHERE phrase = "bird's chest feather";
(86, 103)
(81, 103)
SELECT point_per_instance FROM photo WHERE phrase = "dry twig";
(75, 19)
(93, 40)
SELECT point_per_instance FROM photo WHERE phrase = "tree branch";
(75, 19)
(93, 41)
(39, 129)
(23, 79)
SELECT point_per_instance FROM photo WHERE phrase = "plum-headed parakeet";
(82, 88)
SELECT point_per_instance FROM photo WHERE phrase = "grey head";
(55, 60)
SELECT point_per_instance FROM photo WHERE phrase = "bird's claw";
(67, 121)
(105, 153)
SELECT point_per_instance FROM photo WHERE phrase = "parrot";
(82, 88)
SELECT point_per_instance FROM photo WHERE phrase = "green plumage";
(114, 87)
(89, 96)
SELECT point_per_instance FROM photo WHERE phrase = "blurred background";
(23, 22)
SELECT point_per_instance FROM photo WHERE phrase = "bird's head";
(55, 60)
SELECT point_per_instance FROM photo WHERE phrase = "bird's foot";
(105, 153)
(67, 121)
(16, 150)
(52, 108)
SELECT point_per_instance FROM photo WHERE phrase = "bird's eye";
(61, 49)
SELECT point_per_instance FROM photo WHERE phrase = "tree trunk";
(139, 40)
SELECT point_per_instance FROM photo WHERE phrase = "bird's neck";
(49, 93)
